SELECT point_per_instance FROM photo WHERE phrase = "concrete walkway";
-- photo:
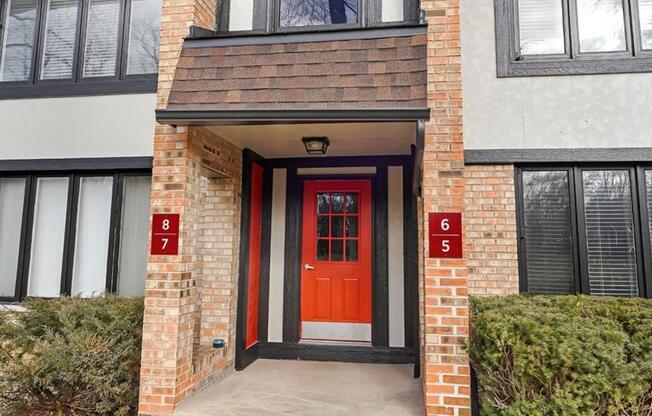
(304, 388)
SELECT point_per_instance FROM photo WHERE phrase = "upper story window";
(59, 46)
(557, 37)
(301, 15)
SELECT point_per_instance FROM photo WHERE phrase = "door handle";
(308, 267)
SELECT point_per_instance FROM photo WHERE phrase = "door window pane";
(144, 33)
(12, 193)
(48, 235)
(392, 10)
(547, 232)
(101, 48)
(132, 267)
(322, 250)
(318, 12)
(645, 14)
(323, 226)
(610, 237)
(601, 25)
(18, 40)
(337, 250)
(59, 54)
(92, 236)
(352, 250)
(541, 27)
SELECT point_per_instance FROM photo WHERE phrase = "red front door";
(336, 261)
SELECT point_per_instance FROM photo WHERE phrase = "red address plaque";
(445, 235)
(165, 234)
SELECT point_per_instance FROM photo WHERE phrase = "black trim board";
(292, 260)
(573, 155)
(380, 259)
(349, 354)
(78, 164)
(338, 162)
(265, 253)
(411, 263)
(112, 87)
(203, 38)
(288, 116)
(244, 356)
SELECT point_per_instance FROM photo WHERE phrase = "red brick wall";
(445, 281)
(490, 230)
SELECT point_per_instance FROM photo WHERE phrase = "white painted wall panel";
(545, 112)
(396, 254)
(277, 258)
(77, 127)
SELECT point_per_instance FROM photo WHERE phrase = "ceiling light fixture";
(316, 145)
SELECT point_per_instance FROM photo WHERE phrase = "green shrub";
(71, 357)
(562, 355)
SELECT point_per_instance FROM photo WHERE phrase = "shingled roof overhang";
(289, 116)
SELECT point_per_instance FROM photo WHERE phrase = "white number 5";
(445, 246)
(445, 226)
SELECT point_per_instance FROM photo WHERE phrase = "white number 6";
(445, 226)
(445, 246)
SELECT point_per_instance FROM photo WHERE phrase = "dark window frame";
(509, 62)
(266, 18)
(120, 82)
(74, 180)
(578, 230)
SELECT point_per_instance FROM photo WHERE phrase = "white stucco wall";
(77, 127)
(545, 112)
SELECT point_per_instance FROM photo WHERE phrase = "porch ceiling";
(346, 139)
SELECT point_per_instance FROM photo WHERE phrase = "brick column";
(445, 287)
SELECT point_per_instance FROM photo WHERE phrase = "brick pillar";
(445, 287)
(170, 293)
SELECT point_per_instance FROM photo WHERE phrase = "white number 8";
(445, 226)
(166, 225)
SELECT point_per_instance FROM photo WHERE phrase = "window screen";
(18, 40)
(610, 239)
(12, 194)
(547, 232)
(92, 236)
(60, 36)
(317, 12)
(132, 267)
(48, 234)
(541, 27)
(648, 200)
(101, 49)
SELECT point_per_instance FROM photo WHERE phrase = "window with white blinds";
(541, 27)
(75, 234)
(82, 40)
(585, 229)
(60, 36)
(546, 229)
(610, 238)
(101, 49)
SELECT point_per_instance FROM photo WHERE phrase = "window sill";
(203, 38)
(145, 84)
(593, 66)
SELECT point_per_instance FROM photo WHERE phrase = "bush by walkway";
(71, 357)
(562, 355)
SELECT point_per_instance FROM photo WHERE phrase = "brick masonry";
(370, 73)
(446, 372)
(490, 230)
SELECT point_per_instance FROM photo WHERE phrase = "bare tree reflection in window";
(144, 32)
(318, 12)
(18, 40)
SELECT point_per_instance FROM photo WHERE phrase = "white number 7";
(165, 242)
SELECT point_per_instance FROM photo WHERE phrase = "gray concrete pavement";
(304, 388)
